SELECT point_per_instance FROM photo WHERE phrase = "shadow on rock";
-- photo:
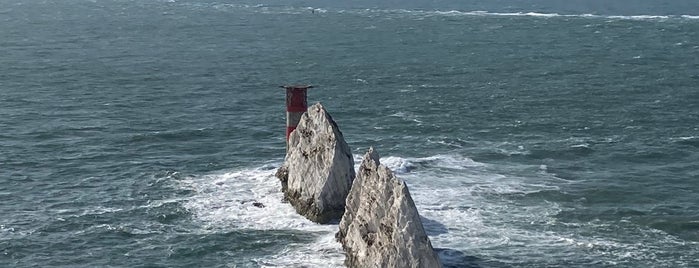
(432, 227)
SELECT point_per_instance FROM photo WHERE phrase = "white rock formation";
(381, 226)
(318, 170)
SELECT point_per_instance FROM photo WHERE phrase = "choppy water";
(531, 134)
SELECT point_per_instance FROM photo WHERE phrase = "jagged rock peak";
(381, 226)
(318, 169)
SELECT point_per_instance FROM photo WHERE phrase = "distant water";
(531, 134)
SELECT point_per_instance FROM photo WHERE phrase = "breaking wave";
(271, 9)
(251, 199)
(474, 212)
(448, 190)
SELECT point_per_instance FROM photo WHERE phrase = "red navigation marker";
(296, 105)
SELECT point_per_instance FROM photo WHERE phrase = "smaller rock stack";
(318, 169)
(381, 226)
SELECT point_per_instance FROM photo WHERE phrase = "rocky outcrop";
(318, 169)
(381, 226)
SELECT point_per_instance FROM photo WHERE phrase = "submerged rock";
(381, 226)
(318, 169)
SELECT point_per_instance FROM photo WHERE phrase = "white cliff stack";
(381, 226)
(318, 169)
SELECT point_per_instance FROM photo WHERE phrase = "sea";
(531, 133)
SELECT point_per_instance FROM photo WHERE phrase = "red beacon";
(296, 105)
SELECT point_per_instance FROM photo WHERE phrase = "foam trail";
(482, 13)
(270, 9)
(639, 17)
(552, 15)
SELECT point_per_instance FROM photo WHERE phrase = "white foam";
(447, 143)
(397, 164)
(451, 161)
(316, 10)
(639, 17)
(552, 15)
(450, 13)
(405, 165)
(6, 232)
(225, 201)
(507, 148)
(265, 9)
(408, 116)
(9, 232)
(323, 252)
(480, 219)
(467, 207)
(546, 15)
(581, 145)
(686, 138)
(461, 200)
(524, 14)
(417, 14)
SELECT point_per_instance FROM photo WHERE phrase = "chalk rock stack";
(381, 226)
(318, 169)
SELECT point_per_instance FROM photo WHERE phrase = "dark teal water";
(531, 134)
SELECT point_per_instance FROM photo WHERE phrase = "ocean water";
(531, 133)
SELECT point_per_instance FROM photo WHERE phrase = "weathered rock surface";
(318, 169)
(381, 226)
